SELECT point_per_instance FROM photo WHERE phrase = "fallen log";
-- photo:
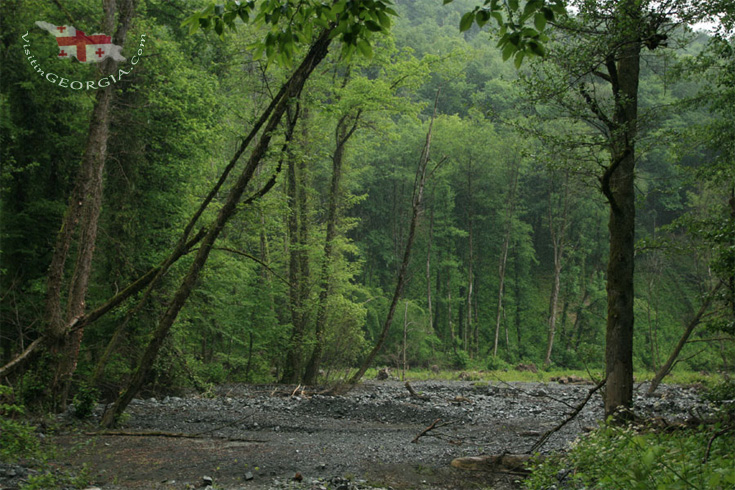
(173, 435)
(501, 463)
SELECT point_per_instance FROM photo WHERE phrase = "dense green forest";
(495, 167)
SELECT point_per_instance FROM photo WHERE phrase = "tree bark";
(294, 87)
(618, 184)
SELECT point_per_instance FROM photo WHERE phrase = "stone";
(248, 476)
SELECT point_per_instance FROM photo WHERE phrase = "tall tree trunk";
(558, 230)
(428, 270)
(297, 269)
(504, 252)
(619, 187)
(345, 129)
(316, 54)
(470, 259)
(82, 215)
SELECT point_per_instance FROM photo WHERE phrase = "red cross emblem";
(81, 40)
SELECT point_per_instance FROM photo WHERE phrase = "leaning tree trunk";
(661, 373)
(82, 216)
(293, 90)
(416, 204)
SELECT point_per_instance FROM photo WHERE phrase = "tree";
(602, 53)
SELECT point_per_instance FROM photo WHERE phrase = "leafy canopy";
(517, 38)
(292, 23)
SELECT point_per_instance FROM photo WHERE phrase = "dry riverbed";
(258, 437)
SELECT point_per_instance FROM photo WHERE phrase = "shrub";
(85, 401)
(495, 363)
(615, 457)
(17, 438)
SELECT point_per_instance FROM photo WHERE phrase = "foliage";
(622, 457)
(84, 401)
(17, 438)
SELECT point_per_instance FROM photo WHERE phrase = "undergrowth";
(20, 444)
(645, 458)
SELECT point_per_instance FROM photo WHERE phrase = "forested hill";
(510, 252)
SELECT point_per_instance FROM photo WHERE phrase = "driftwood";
(434, 425)
(414, 394)
(175, 435)
(502, 463)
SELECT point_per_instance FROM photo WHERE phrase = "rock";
(248, 476)
(530, 368)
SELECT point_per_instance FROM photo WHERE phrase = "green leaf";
(365, 49)
(482, 17)
(513, 4)
(536, 48)
(466, 21)
(531, 7)
(373, 26)
(508, 50)
(384, 19)
(539, 20)
(518, 60)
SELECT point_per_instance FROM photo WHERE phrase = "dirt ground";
(258, 437)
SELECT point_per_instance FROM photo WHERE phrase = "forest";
(301, 193)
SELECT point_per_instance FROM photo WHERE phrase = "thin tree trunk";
(470, 259)
(418, 194)
(504, 252)
(294, 86)
(343, 133)
(656, 381)
(558, 234)
(428, 270)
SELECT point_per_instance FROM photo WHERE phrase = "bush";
(84, 401)
(495, 363)
(17, 438)
(460, 359)
(614, 457)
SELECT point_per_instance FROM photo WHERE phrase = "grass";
(542, 376)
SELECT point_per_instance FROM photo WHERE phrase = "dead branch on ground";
(434, 425)
(545, 437)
